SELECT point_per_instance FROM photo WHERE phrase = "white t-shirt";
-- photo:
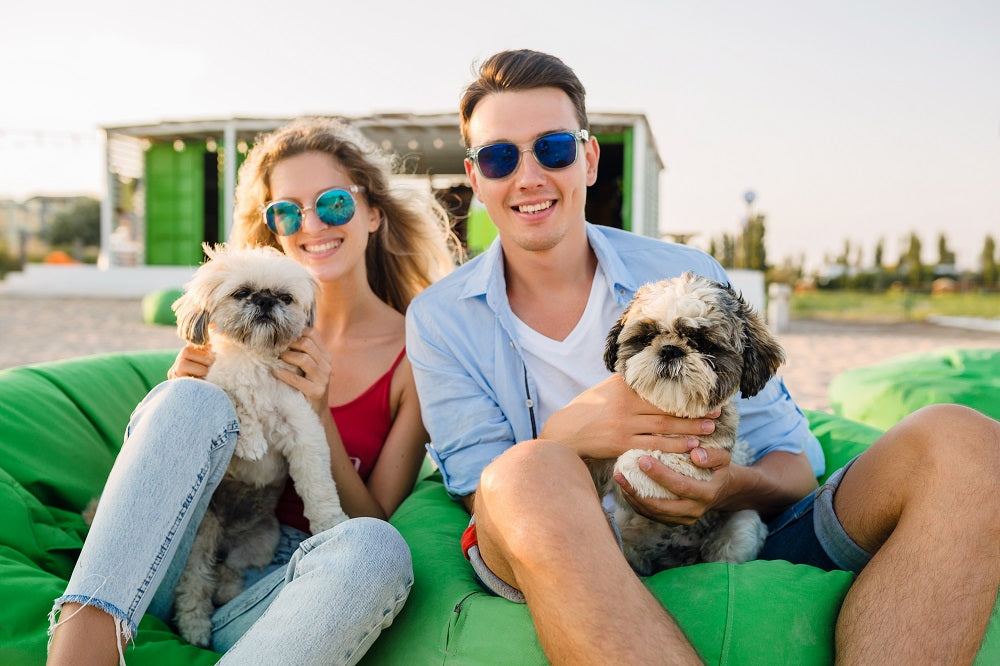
(563, 369)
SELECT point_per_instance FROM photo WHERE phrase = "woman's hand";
(309, 356)
(694, 497)
(192, 361)
(610, 418)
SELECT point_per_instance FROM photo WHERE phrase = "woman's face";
(327, 252)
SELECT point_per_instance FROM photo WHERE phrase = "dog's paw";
(195, 630)
(327, 519)
(249, 447)
(628, 465)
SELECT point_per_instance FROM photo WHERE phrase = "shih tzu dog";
(251, 304)
(687, 345)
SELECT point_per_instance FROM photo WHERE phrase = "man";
(507, 350)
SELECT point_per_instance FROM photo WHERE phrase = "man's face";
(534, 208)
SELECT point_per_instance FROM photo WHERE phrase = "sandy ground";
(35, 329)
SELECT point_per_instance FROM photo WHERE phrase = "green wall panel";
(175, 199)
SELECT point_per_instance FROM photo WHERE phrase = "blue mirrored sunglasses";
(333, 207)
(553, 151)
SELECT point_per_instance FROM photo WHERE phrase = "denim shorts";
(807, 533)
(810, 533)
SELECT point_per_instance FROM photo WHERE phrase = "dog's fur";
(251, 304)
(687, 345)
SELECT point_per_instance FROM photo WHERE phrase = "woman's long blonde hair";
(412, 247)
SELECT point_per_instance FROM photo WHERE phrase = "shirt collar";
(487, 275)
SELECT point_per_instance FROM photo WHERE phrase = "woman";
(326, 597)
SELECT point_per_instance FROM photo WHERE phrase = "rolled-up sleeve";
(459, 406)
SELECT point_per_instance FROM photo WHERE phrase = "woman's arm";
(396, 469)
(402, 454)
(192, 361)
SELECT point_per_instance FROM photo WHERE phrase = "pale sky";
(849, 120)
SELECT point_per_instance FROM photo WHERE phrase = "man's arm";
(467, 427)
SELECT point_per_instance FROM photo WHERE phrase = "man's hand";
(610, 418)
(694, 497)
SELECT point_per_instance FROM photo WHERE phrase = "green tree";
(80, 222)
(879, 267)
(945, 256)
(728, 259)
(914, 269)
(988, 262)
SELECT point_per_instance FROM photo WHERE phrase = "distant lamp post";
(749, 196)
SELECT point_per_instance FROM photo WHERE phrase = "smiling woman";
(370, 250)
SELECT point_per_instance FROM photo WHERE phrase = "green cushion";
(882, 394)
(61, 425)
(156, 306)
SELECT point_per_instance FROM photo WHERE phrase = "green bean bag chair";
(156, 306)
(61, 426)
(882, 394)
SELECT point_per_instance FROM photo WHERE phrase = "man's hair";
(522, 70)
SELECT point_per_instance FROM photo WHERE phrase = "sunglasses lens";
(498, 160)
(556, 151)
(335, 207)
(283, 218)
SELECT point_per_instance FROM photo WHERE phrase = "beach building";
(170, 184)
(170, 187)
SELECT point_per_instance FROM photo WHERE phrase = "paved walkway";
(34, 329)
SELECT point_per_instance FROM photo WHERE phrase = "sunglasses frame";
(351, 190)
(578, 135)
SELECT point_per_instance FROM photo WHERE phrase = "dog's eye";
(646, 333)
(286, 298)
(241, 294)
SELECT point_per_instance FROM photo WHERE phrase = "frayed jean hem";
(125, 628)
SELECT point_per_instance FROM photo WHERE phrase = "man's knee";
(529, 468)
(537, 488)
(954, 437)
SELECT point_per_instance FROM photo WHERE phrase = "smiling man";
(507, 354)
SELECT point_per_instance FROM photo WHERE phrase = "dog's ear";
(762, 353)
(192, 319)
(611, 346)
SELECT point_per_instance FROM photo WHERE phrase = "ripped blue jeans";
(325, 598)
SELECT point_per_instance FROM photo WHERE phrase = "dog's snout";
(670, 352)
(264, 300)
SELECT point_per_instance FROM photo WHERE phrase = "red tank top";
(363, 424)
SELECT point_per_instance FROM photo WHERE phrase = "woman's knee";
(190, 396)
(372, 550)
(187, 409)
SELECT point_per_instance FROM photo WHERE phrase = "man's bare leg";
(541, 528)
(925, 498)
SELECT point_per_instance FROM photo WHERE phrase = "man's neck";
(549, 290)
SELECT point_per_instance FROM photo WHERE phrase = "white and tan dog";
(251, 304)
(687, 345)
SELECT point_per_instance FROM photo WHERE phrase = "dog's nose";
(670, 352)
(263, 300)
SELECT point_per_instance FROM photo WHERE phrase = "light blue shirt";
(476, 394)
